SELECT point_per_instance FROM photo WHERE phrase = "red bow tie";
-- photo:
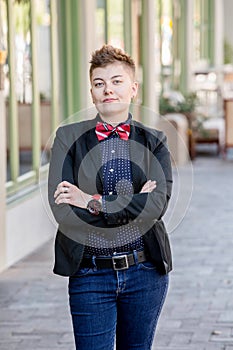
(104, 130)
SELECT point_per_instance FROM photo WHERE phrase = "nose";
(107, 90)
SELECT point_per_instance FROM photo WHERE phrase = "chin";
(111, 109)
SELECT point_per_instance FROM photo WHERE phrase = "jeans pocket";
(147, 266)
(81, 272)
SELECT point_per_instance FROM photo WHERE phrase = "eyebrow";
(115, 76)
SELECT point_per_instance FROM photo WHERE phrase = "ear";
(92, 96)
(134, 89)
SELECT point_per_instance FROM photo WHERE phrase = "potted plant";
(175, 102)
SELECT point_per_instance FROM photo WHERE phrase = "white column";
(87, 46)
(148, 55)
(227, 23)
(218, 33)
(56, 117)
(189, 43)
(2, 182)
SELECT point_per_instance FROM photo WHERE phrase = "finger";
(66, 184)
(61, 188)
(149, 186)
(58, 190)
(69, 186)
(60, 185)
(62, 201)
(149, 183)
(63, 184)
(152, 184)
(57, 193)
(63, 198)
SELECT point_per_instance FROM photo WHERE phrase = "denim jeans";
(110, 306)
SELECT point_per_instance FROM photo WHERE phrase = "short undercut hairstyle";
(108, 54)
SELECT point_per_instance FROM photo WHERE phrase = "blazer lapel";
(94, 157)
(138, 154)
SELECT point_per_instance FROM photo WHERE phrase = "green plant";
(228, 52)
(43, 97)
(186, 105)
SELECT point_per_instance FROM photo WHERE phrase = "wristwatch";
(94, 206)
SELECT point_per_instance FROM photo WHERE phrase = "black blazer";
(76, 158)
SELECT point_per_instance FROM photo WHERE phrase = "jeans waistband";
(118, 261)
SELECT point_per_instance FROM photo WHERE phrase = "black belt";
(116, 262)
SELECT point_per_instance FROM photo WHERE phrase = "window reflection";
(22, 70)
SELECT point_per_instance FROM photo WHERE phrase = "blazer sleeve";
(119, 209)
(61, 169)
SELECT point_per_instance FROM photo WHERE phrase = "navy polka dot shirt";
(117, 179)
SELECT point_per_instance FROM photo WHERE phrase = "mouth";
(109, 100)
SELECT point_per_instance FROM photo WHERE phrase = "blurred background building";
(184, 54)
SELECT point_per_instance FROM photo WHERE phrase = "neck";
(114, 120)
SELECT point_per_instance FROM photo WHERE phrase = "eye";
(99, 84)
(117, 81)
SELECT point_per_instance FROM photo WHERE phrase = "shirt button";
(110, 192)
(111, 170)
(112, 151)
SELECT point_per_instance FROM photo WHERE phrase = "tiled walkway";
(199, 311)
(198, 314)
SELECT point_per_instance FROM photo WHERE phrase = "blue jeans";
(124, 304)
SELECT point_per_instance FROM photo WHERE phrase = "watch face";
(94, 207)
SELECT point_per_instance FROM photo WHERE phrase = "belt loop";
(94, 262)
(135, 255)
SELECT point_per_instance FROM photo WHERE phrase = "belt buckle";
(116, 260)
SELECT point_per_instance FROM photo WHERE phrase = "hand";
(71, 194)
(149, 186)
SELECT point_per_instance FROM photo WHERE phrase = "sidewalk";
(198, 314)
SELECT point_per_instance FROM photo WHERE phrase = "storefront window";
(203, 33)
(23, 51)
(27, 132)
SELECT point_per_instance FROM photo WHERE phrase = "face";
(112, 88)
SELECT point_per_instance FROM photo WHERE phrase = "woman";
(110, 182)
